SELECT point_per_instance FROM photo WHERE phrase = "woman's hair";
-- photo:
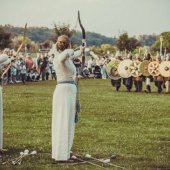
(65, 39)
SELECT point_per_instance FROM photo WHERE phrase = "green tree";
(147, 40)
(165, 43)
(63, 29)
(30, 45)
(122, 42)
(41, 34)
(126, 43)
(107, 48)
(5, 39)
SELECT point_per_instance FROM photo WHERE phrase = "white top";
(63, 64)
(91, 63)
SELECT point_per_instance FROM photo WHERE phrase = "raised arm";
(69, 53)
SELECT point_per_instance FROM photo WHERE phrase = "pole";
(161, 39)
(25, 49)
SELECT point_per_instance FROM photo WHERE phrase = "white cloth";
(167, 85)
(63, 117)
(91, 63)
(148, 81)
(64, 101)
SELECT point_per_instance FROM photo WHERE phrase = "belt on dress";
(77, 97)
(66, 82)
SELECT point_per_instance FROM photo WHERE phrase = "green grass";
(134, 126)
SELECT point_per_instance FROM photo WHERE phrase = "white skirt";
(63, 120)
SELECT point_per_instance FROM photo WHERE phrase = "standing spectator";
(29, 65)
(51, 67)
(29, 62)
(42, 64)
(38, 63)
(77, 63)
(103, 63)
(13, 71)
(18, 64)
(23, 72)
(91, 64)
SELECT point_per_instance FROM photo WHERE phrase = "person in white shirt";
(103, 63)
(64, 99)
(91, 64)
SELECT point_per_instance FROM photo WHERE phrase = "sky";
(107, 17)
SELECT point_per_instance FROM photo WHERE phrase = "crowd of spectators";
(28, 68)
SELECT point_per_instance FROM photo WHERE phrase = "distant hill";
(41, 34)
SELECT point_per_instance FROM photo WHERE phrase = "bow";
(83, 37)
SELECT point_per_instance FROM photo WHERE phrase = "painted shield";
(111, 69)
(124, 68)
(134, 69)
(153, 68)
(164, 68)
(144, 68)
(3, 58)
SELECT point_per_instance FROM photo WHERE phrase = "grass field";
(134, 126)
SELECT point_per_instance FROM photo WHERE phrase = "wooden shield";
(114, 73)
(124, 68)
(113, 63)
(144, 68)
(153, 68)
(134, 69)
(111, 69)
(164, 68)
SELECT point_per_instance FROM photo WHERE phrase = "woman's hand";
(82, 48)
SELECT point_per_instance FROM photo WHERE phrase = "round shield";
(113, 63)
(153, 68)
(111, 69)
(144, 68)
(134, 69)
(164, 68)
(3, 58)
(124, 68)
(114, 74)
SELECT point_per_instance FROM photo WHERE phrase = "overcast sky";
(107, 17)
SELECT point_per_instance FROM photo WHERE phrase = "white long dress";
(63, 107)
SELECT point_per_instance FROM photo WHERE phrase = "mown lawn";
(134, 126)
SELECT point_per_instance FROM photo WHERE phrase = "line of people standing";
(159, 81)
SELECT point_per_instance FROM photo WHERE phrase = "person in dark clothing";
(128, 82)
(42, 64)
(148, 78)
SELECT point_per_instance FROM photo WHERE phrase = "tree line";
(37, 37)
(42, 34)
